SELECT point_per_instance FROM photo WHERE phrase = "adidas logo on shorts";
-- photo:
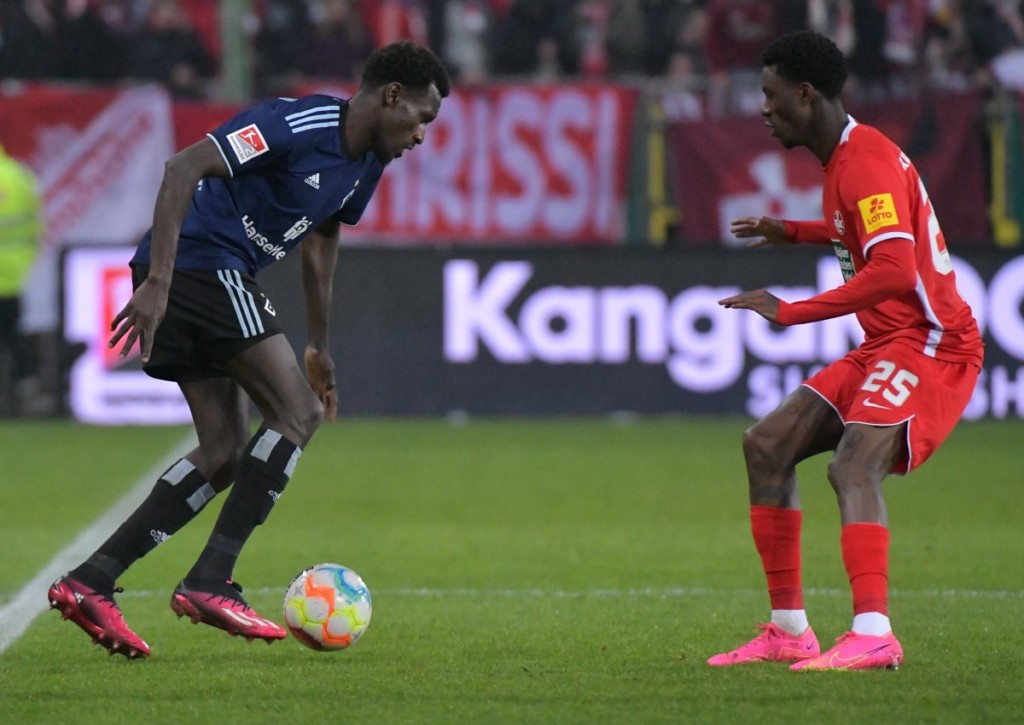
(314, 180)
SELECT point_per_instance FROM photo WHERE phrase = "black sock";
(179, 494)
(263, 472)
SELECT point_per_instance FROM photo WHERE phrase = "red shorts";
(896, 384)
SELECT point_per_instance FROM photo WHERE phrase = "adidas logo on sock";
(314, 180)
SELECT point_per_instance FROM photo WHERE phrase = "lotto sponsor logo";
(248, 143)
(878, 211)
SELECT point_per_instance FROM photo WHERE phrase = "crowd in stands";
(710, 47)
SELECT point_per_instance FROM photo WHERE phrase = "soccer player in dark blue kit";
(284, 171)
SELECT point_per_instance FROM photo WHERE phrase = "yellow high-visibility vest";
(21, 225)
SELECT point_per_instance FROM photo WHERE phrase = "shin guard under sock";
(179, 494)
(263, 472)
(866, 557)
(777, 538)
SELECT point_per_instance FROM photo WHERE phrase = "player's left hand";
(320, 373)
(760, 301)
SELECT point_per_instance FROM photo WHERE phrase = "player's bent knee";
(759, 447)
(849, 479)
(220, 461)
(311, 419)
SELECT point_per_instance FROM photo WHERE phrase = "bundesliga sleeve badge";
(248, 143)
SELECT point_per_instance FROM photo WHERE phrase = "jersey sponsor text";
(262, 243)
(297, 229)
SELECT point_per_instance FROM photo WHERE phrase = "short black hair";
(805, 56)
(407, 63)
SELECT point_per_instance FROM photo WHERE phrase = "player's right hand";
(320, 373)
(140, 318)
(768, 231)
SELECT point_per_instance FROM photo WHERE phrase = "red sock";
(866, 556)
(777, 538)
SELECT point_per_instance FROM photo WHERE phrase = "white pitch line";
(651, 592)
(27, 604)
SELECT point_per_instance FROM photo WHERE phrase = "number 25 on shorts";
(896, 385)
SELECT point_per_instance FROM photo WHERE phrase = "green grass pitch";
(556, 571)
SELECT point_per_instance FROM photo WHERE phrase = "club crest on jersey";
(248, 143)
(837, 220)
(878, 211)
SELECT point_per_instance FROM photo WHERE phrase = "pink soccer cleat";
(857, 652)
(98, 615)
(772, 645)
(221, 605)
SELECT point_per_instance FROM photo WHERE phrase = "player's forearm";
(890, 273)
(808, 232)
(319, 256)
(182, 173)
(172, 202)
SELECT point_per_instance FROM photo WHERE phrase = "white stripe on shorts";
(249, 321)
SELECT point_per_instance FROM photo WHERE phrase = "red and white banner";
(523, 164)
(99, 158)
(724, 169)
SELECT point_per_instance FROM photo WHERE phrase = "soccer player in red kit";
(887, 405)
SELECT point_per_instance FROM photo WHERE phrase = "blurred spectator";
(204, 17)
(903, 48)
(537, 38)
(995, 32)
(168, 50)
(91, 49)
(393, 20)
(459, 33)
(834, 19)
(736, 33)
(280, 27)
(56, 39)
(338, 44)
(30, 32)
(867, 61)
(686, 77)
(689, 40)
(591, 21)
(627, 37)
(666, 21)
(681, 89)
(20, 232)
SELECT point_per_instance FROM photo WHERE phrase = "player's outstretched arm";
(764, 230)
(760, 301)
(319, 256)
(145, 310)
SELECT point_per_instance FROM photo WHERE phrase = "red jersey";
(874, 202)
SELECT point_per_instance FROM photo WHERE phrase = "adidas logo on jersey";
(314, 180)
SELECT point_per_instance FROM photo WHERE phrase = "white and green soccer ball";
(327, 607)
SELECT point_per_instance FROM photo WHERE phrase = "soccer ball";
(327, 607)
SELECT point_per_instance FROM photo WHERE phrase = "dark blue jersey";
(290, 172)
